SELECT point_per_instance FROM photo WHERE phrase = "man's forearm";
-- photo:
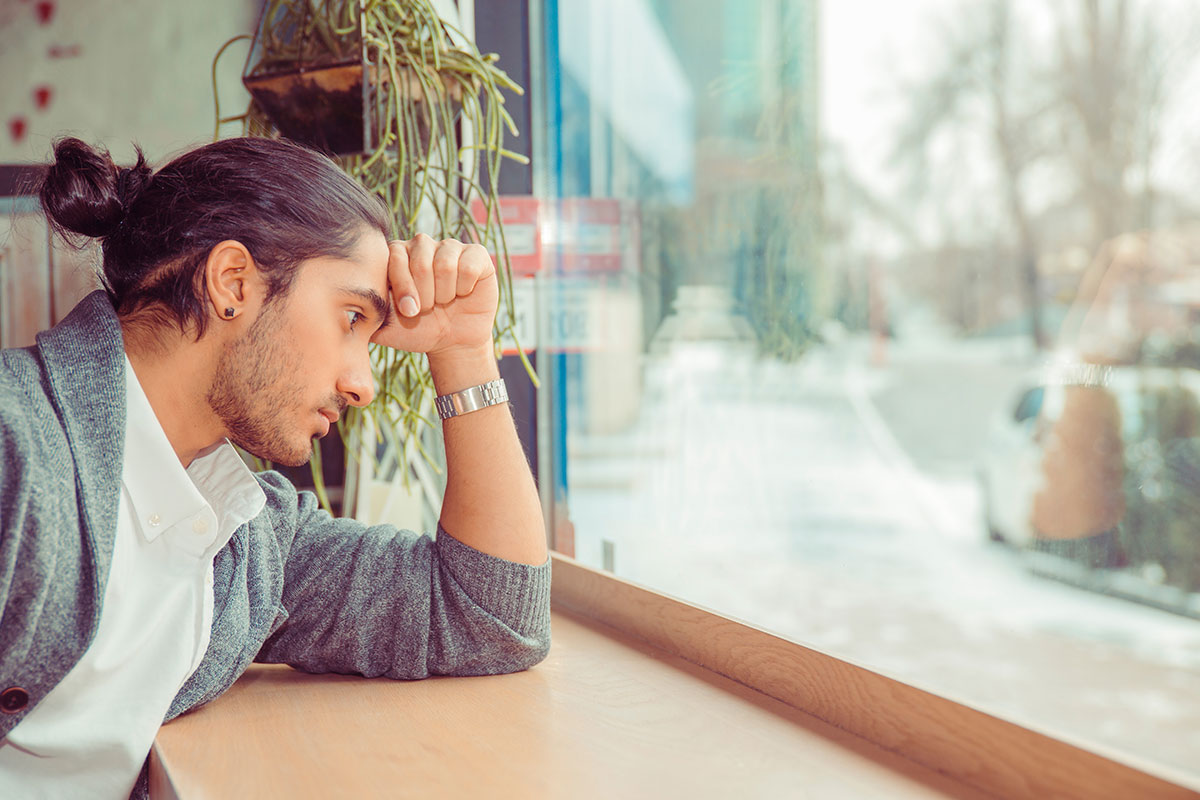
(491, 502)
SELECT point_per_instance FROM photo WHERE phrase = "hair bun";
(85, 193)
(132, 181)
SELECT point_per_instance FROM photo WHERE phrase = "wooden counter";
(603, 716)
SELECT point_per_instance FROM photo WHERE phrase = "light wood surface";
(980, 750)
(603, 716)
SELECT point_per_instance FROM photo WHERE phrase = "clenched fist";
(444, 295)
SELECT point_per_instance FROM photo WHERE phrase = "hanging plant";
(416, 114)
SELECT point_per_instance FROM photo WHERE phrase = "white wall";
(119, 71)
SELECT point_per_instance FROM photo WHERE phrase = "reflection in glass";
(876, 327)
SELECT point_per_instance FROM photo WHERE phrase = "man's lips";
(330, 417)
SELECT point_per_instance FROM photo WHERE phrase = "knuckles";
(477, 256)
(446, 256)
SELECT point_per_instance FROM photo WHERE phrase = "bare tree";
(1082, 102)
(1112, 88)
(974, 91)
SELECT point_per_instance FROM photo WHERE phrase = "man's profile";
(142, 566)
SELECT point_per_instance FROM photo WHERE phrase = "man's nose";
(358, 384)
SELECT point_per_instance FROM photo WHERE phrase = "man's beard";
(256, 393)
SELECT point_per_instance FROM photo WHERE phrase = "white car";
(1009, 475)
(1063, 461)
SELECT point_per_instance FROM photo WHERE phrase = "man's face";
(305, 358)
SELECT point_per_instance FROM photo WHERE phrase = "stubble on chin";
(254, 395)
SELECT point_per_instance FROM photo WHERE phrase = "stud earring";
(229, 313)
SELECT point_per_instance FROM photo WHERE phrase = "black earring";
(229, 312)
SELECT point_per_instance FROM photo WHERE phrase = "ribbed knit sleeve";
(382, 601)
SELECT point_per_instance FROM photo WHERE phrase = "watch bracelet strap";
(456, 404)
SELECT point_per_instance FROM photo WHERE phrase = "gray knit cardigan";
(293, 585)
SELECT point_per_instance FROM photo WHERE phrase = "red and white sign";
(522, 220)
(591, 231)
(525, 328)
(576, 317)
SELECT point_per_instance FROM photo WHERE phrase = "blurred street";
(835, 503)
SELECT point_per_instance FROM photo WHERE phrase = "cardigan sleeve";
(380, 601)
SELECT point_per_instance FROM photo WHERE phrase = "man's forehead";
(365, 267)
(371, 255)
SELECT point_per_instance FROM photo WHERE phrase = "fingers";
(421, 250)
(445, 271)
(474, 264)
(430, 272)
(400, 281)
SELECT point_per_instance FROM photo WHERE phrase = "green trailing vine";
(434, 107)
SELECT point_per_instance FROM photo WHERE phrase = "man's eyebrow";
(383, 309)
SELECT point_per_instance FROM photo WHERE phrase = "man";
(142, 567)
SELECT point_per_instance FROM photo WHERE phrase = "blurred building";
(704, 115)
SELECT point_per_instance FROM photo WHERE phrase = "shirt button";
(13, 700)
(199, 525)
(154, 520)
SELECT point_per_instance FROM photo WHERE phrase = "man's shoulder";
(17, 363)
(292, 513)
(68, 385)
(285, 508)
(281, 493)
(33, 437)
(22, 383)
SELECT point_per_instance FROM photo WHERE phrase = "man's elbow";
(534, 653)
(521, 653)
(511, 653)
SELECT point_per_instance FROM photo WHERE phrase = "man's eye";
(354, 317)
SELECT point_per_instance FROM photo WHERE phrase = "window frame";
(959, 740)
(967, 744)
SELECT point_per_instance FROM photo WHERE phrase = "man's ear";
(231, 279)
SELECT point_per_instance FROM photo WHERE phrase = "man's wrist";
(455, 369)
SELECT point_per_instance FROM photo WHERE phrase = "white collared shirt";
(89, 736)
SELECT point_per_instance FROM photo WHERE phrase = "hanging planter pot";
(305, 71)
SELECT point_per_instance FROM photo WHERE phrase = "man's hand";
(444, 294)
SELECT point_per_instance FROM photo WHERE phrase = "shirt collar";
(229, 487)
(163, 493)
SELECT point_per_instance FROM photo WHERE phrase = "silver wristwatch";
(468, 400)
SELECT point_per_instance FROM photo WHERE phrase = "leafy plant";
(434, 122)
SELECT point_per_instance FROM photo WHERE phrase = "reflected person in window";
(1080, 504)
(142, 566)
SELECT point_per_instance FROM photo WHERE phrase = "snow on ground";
(782, 495)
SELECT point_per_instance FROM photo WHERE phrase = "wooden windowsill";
(659, 706)
(603, 716)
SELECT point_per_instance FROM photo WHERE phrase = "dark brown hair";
(284, 202)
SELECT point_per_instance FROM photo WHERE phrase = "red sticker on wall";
(16, 128)
(45, 11)
(41, 97)
(64, 51)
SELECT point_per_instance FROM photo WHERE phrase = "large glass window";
(876, 325)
